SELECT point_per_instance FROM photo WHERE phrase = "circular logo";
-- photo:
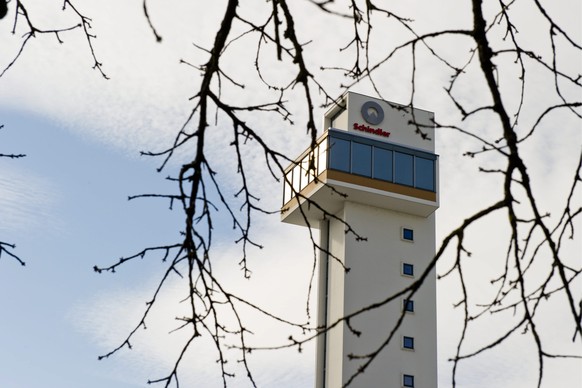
(372, 112)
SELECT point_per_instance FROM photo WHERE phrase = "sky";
(65, 204)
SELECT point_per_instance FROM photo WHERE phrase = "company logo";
(372, 112)
(375, 131)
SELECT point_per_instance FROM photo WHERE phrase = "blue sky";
(79, 217)
(66, 208)
(65, 204)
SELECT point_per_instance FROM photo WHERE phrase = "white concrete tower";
(377, 174)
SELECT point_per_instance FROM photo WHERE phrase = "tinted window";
(408, 305)
(407, 269)
(424, 173)
(403, 164)
(408, 381)
(382, 164)
(361, 159)
(339, 158)
(408, 343)
(408, 234)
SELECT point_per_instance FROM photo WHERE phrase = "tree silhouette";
(489, 52)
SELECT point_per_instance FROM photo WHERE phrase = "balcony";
(346, 167)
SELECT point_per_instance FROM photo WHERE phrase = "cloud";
(26, 199)
(279, 285)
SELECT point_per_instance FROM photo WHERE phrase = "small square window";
(407, 234)
(407, 269)
(408, 305)
(408, 342)
(408, 381)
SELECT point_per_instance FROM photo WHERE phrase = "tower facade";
(374, 171)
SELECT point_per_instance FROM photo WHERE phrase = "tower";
(374, 170)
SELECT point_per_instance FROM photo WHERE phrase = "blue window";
(424, 173)
(408, 305)
(382, 164)
(403, 168)
(407, 234)
(339, 158)
(407, 269)
(361, 159)
(408, 381)
(408, 342)
(378, 160)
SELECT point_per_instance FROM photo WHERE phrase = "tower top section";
(373, 152)
(382, 121)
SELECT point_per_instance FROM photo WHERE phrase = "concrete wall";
(375, 274)
(375, 265)
(335, 303)
(398, 120)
